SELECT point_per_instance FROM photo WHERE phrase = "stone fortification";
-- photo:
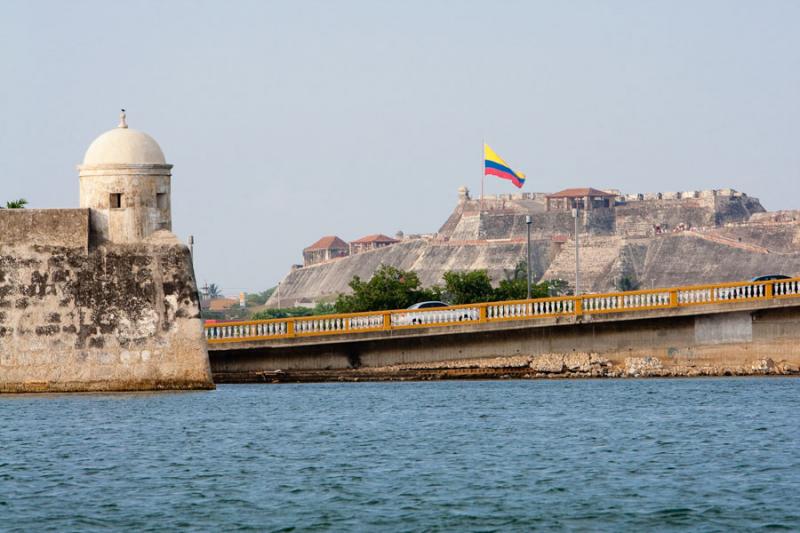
(668, 260)
(503, 217)
(429, 259)
(655, 239)
(45, 227)
(112, 317)
(101, 298)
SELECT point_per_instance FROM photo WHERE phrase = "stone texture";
(121, 317)
(45, 227)
(643, 366)
(549, 363)
(764, 366)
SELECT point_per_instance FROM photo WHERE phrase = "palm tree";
(213, 291)
(520, 271)
(17, 204)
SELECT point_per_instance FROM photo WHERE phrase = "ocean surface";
(600, 455)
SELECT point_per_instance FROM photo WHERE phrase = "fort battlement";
(101, 298)
(602, 212)
(620, 198)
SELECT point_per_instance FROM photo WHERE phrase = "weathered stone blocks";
(115, 317)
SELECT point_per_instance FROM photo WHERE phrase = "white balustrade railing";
(435, 316)
(365, 322)
(242, 331)
(336, 324)
(785, 288)
(702, 295)
(622, 302)
(511, 310)
(498, 311)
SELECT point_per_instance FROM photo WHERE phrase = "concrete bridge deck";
(739, 328)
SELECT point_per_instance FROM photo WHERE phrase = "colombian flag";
(495, 166)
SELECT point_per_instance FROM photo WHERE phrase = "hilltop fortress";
(102, 297)
(655, 239)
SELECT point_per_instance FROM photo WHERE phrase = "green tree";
(515, 286)
(517, 289)
(627, 283)
(259, 298)
(388, 288)
(287, 312)
(559, 287)
(17, 204)
(324, 308)
(520, 271)
(468, 287)
(214, 291)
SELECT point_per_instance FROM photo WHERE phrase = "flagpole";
(483, 173)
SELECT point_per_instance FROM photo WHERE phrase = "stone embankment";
(544, 366)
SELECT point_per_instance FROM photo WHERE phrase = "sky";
(287, 121)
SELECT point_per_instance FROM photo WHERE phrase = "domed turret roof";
(124, 146)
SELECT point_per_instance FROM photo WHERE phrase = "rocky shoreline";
(545, 366)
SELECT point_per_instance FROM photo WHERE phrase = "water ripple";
(709, 454)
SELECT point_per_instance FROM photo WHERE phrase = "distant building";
(218, 304)
(371, 242)
(583, 198)
(325, 249)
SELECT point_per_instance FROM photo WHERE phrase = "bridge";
(730, 327)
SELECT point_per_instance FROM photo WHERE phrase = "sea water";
(606, 455)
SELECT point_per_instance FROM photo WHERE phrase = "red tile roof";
(579, 193)
(378, 237)
(221, 304)
(330, 242)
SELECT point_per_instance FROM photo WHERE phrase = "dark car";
(770, 277)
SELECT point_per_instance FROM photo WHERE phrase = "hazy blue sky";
(290, 120)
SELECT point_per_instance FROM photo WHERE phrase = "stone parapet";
(67, 228)
(112, 318)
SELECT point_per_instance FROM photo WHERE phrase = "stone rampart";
(642, 237)
(429, 259)
(115, 317)
(45, 227)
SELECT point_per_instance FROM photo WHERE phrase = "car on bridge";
(771, 277)
(428, 305)
(429, 317)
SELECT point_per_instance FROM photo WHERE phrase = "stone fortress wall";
(503, 216)
(99, 298)
(81, 318)
(656, 239)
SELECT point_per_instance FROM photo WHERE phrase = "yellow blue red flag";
(494, 165)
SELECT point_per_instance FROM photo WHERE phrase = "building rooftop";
(580, 193)
(377, 237)
(327, 243)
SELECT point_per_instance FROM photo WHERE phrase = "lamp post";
(528, 221)
(575, 213)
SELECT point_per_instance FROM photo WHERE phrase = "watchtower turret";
(125, 182)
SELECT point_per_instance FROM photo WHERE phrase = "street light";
(575, 213)
(528, 221)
